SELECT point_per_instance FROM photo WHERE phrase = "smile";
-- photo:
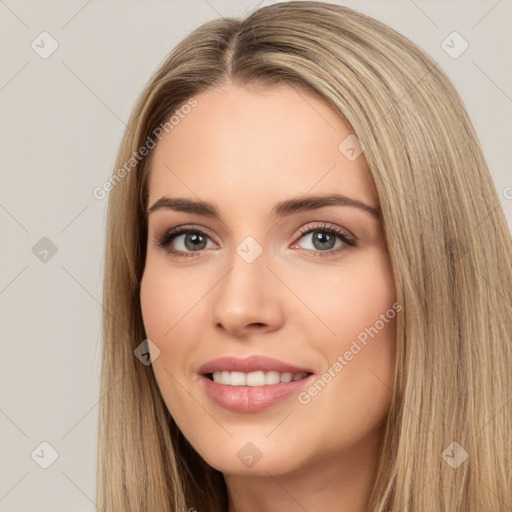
(253, 383)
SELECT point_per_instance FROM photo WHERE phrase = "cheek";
(164, 305)
(155, 305)
(358, 307)
(349, 299)
(173, 308)
(165, 300)
(367, 346)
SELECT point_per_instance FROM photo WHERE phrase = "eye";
(326, 240)
(184, 241)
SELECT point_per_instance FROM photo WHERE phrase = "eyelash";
(164, 240)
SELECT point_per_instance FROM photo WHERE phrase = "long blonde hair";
(449, 245)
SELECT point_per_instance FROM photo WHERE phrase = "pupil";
(195, 240)
(322, 240)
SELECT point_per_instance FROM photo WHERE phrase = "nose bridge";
(246, 294)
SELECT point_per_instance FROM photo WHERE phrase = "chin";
(252, 455)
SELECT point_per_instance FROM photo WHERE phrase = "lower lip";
(251, 398)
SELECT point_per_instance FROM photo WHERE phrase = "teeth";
(258, 378)
(272, 378)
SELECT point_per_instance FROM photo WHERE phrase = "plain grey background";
(61, 121)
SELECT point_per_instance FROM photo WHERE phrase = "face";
(247, 293)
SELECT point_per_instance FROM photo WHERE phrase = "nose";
(247, 300)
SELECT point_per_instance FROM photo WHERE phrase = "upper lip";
(249, 364)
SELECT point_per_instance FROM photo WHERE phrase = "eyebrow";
(281, 209)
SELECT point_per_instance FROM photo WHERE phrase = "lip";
(250, 398)
(250, 364)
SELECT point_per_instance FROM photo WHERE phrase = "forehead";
(240, 143)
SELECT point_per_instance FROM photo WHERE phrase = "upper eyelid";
(183, 229)
(325, 225)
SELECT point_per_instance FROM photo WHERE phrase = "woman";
(308, 280)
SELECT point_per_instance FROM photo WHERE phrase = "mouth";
(253, 379)
(253, 383)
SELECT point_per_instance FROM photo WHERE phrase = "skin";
(245, 149)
